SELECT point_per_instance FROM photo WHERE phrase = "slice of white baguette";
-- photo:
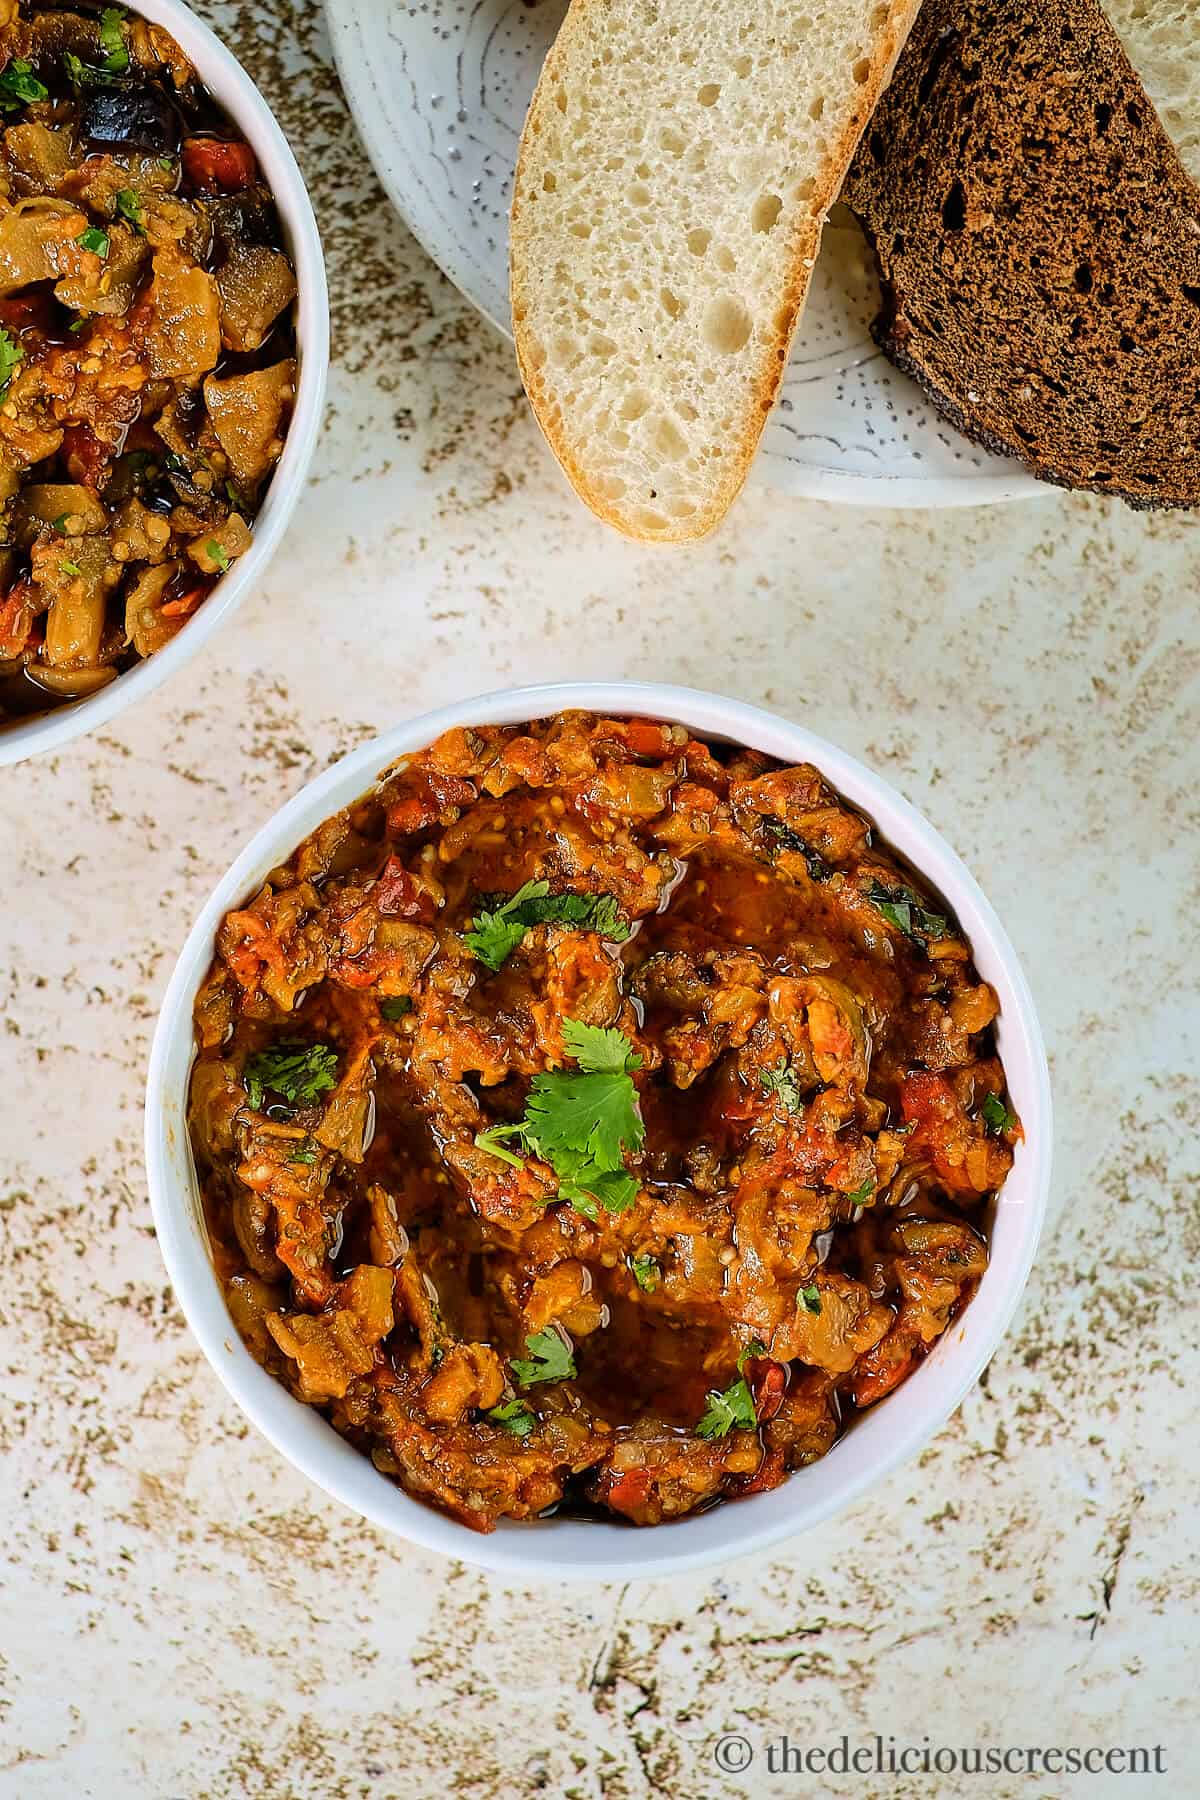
(1162, 41)
(675, 171)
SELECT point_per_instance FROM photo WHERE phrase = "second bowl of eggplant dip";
(147, 350)
(595, 1119)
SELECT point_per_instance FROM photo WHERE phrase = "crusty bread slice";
(1039, 245)
(1162, 41)
(675, 171)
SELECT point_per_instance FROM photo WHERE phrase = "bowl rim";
(554, 1549)
(233, 89)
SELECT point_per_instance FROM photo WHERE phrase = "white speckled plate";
(439, 89)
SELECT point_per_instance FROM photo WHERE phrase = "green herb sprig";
(500, 924)
(298, 1073)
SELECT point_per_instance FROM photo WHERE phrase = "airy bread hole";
(710, 93)
(639, 195)
(671, 141)
(633, 405)
(727, 325)
(548, 181)
(698, 241)
(817, 109)
(726, 261)
(581, 229)
(560, 99)
(602, 346)
(862, 71)
(671, 305)
(649, 520)
(667, 439)
(612, 487)
(806, 188)
(765, 212)
(742, 65)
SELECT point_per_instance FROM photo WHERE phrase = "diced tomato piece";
(397, 895)
(212, 166)
(186, 604)
(16, 618)
(768, 1383)
(629, 1492)
(413, 813)
(86, 457)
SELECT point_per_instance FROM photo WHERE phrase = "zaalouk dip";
(592, 1116)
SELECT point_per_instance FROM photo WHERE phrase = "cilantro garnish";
(129, 207)
(296, 1072)
(78, 325)
(112, 40)
(784, 838)
(734, 1408)
(903, 909)
(19, 86)
(551, 1359)
(513, 1416)
(499, 926)
(11, 352)
(492, 1142)
(70, 568)
(581, 1121)
(781, 1081)
(304, 1153)
(996, 1115)
(862, 1193)
(395, 1006)
(95, 240)
(809, 1299)
(219, 554)
(646, 1272)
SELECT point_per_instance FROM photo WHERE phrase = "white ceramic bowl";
(567, 1549)
(230, 85)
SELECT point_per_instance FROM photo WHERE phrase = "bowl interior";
(564, 1549)
(233, 89)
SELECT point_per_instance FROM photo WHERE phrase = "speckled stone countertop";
(180, 1613)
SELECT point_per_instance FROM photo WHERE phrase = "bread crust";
(762, 392)
(1038, 240)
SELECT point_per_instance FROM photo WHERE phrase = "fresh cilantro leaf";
(95, 240)
(646, 1272)
(129, 207)
(82, 74)
(236, 499)
(70, 568)
(304, 1153)
(729, 1410)
(19, 86)
(594, 1116)
(490, 1141)
(809, 1299)
(862, 1194)
(219, 554)
(903, 909)
(598, 1049)
(514, 1416)
(296, 1072)
(112, 40)
(60, 524)
(551, 1359)
(996, 1115)
(166, 164)
(781, 1081)
(754, 1348)
(493, 936)
(11, 352)
(78, 325)
(498, 927)
(616, 1190)
(395, 1006)
(581, 1122)
(784, 838)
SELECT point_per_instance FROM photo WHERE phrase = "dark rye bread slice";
(1039, 246)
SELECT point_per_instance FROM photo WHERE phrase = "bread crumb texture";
(674, 174)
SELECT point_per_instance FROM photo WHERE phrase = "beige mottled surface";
(180, 1614)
